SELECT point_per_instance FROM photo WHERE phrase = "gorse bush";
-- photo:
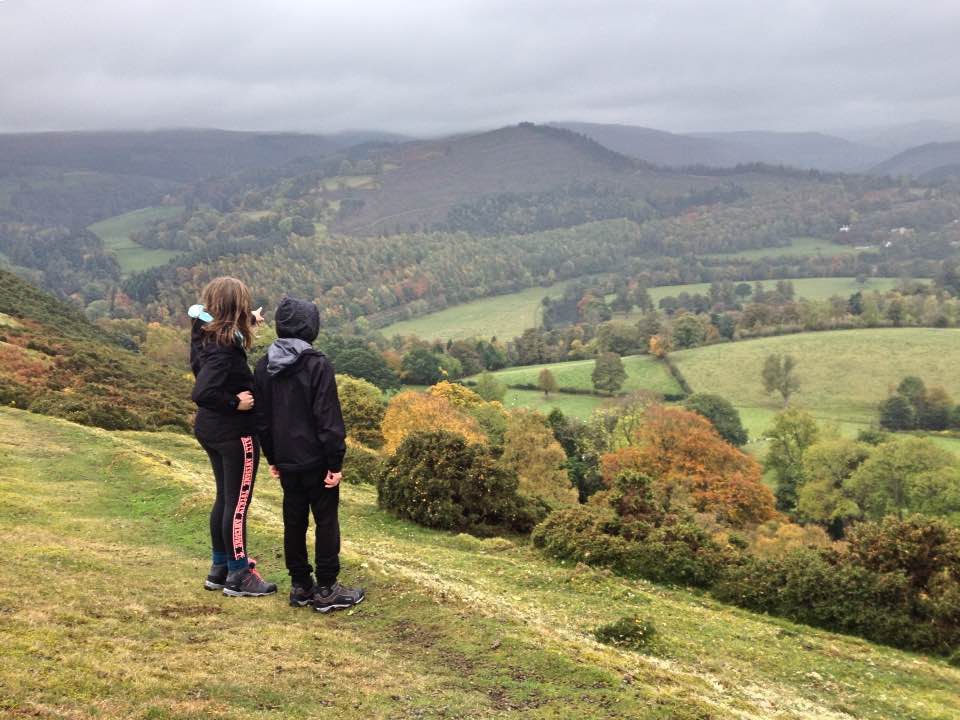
(631, 633)
(360, 464)
(439, 480)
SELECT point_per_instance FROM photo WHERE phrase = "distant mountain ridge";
(804, 150)
(930, 162)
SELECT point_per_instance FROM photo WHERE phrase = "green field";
(809, 288)
(643, 373)
(115, 234)
(503, 316)
(113, 525)
(799, 247)
(843, 374)
(578, 406)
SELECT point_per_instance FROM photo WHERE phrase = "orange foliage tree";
(412, 411)
(678, 446)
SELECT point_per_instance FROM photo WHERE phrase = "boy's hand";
(274, 471)
(246, 400)
(332, 479)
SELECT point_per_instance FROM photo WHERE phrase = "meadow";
(807, 288)
(798, 247)
(453, 626)
(503, 316)
(115, 233)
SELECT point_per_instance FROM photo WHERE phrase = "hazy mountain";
(933, 161)
(727, 149)
(897, 138)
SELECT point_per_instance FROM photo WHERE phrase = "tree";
(546, 381)
(722, 414)
(363, 408)
(688, 332)
(608, 373)
(367, 364)
(532, 453)
(466, 352)
(883, 484)
(914, 390)
(936, 411)
(897, 413)
(456, 394)
(743, 290)
(826, 466)
(618, 337)
(411, 411)
(421, 367)
(489, 388)
(779, 376)
(793, 431)
(682, 452)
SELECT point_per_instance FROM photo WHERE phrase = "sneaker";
(336, 597)
(301, 596)
(248, 583)
(216, 578)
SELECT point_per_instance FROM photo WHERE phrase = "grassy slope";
(809, 288)
(115, 234)
(504, 316)
(799, 247)
(843, 374)
(643, 373)
(453, 627)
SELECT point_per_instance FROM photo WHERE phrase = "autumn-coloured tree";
(456, 394)
(547, 382)
(531, 452)
(676, 445)
(411, 411)
(363, 408)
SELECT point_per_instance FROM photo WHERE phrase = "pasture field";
(578, 406)
(503, 316)
(798, 247)
(843, 374)
(115, 234)
(808, 288)
(453, 626)
(643, 373)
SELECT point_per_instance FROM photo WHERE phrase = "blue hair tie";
(198, 312)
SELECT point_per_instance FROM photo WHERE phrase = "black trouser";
(302, 493)
(235, 471)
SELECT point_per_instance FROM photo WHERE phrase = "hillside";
(931, 162)
(453, 627)
(728, 149)
(424, 180)
(53, 361)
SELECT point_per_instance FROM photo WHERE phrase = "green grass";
(115, 233)
(799, 247)
(809, 288)
(504, 316)
(643, 373)
(843, 374)
(578, 406)
(103, 615)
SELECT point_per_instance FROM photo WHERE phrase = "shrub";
(411, 411)
(531, 452)
(439, 480)
(360, 464)
(363, 409)
(630, 632)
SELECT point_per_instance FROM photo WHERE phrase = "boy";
(302, 435)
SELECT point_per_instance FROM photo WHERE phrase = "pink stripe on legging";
(246, 485)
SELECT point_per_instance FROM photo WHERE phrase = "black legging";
(235, 470)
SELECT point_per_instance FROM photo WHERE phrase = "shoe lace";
(253, 571)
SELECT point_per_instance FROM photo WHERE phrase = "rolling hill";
(53, 361)
(728, 149)
(453, 626)
(930, 162)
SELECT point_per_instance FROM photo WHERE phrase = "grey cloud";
(431, 67)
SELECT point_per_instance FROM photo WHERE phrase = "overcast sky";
(427, 67)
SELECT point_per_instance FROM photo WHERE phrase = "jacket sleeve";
(209, 390)
(264, 410)
(328, 416)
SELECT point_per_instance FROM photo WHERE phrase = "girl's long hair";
(228, 300)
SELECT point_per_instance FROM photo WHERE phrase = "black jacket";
(221, 372)
(299, 421)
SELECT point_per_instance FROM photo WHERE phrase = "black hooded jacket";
(221, 372)
(298, 412)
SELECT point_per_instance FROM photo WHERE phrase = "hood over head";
(297, 319)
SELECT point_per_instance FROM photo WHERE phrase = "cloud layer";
(432, 67)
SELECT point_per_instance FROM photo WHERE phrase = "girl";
(222, 333)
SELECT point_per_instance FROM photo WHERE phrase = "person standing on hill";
(300, 425)
(225, 427)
